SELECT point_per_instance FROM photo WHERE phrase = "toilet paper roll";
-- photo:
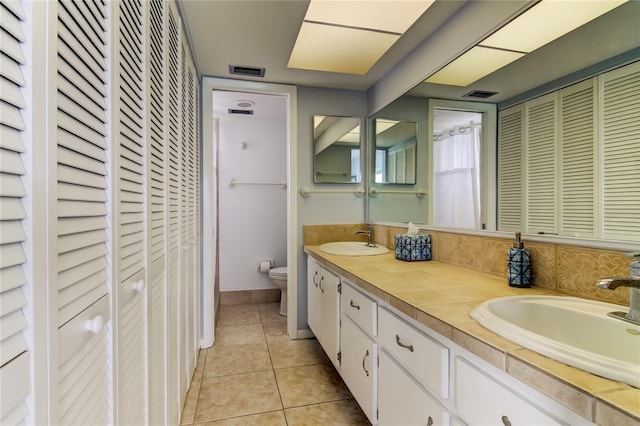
(264, 266)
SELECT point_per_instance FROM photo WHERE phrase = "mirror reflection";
(336, 148)
(396, 150)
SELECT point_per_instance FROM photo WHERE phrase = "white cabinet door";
(401, 401)
(359, 366)
(330, 315)
(323, 308)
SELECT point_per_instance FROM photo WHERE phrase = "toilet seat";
(280, 272)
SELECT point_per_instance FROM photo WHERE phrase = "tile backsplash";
(567, 269)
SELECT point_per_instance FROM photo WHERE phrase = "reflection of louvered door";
(541, 161)
(132, 312)
(510, 168)
(173, 216)
(620, 91)
(14, 355)
(156, 184)
(82, 215)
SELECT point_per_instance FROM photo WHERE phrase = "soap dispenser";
(518, 264)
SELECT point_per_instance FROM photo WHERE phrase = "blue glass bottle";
(518, 264)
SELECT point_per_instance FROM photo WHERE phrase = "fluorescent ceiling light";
(353, 137)
(323, 47)
(390, 16)
(473, 65)
(539, 25)
(383, 124)
(350, 36)
(547, 21)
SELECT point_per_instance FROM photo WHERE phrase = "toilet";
(279, 278)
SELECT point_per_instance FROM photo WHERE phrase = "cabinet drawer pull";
(402, 345)
(506, 421)
(314, 278)
(363, 361)
(320, 284)
(353, 305)
(429, 421)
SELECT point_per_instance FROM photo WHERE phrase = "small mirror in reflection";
(336, 147)
(396, 149)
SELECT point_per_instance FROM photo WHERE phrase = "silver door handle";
(402, 345)
(363, 361)
(353, 305)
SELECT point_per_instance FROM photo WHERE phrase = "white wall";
(253, 218)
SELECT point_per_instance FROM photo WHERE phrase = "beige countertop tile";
(441, 296)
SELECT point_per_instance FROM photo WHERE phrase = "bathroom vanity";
(401, 338)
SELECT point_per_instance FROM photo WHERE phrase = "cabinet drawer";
(360, 308)
(401, 401)
(426, 359)
(482, 400)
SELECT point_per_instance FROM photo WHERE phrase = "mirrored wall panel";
(336, 148)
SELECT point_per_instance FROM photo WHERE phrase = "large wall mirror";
(336, 149)
(585, 56)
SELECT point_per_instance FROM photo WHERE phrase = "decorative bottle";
(518, 264)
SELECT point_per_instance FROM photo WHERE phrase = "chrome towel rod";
(305, 191)
(420, 193)
(234, 182)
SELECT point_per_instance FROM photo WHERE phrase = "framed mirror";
(396, 147)
(336, 149)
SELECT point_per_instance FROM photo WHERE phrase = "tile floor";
(255, 375)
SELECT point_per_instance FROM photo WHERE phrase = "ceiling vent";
(479, 94)
(241, 111)
(248, 71)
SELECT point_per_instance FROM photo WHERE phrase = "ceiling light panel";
(383, 124)
(390, 16)
(338, 49)
(473, 65)
(547, 21)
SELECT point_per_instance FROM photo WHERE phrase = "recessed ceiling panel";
(391, 16)
(473, 65)
(338, 49)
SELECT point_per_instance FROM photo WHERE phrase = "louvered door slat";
(577, 160)
(82, 209)
(621, 157)
(14, 356)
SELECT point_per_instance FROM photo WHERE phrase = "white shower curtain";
(456, 178)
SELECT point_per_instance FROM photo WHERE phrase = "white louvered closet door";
(195, 243)
(132, 309)
(185, 240)
(541, 161)
(620, 91)
(14, 355)
(173, 215)
(577, 150)
(156, 184)
(84, 337)
(510, 168)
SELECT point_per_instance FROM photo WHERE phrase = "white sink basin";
(352, 248)
(575, 331)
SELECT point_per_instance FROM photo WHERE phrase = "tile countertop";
(441, 296)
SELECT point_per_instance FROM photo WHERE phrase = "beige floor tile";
(290, 353)
(250, 334)
(276, 331)
(272, 418)
(237, 395)
(226, 360)
(270, 312)
(345, 412)
(310, 384)
(232, 315)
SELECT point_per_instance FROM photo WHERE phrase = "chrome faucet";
(634, 300)
(369, 234)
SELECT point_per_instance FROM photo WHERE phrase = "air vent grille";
(241, 111)
(245, 70)
(479, 94)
